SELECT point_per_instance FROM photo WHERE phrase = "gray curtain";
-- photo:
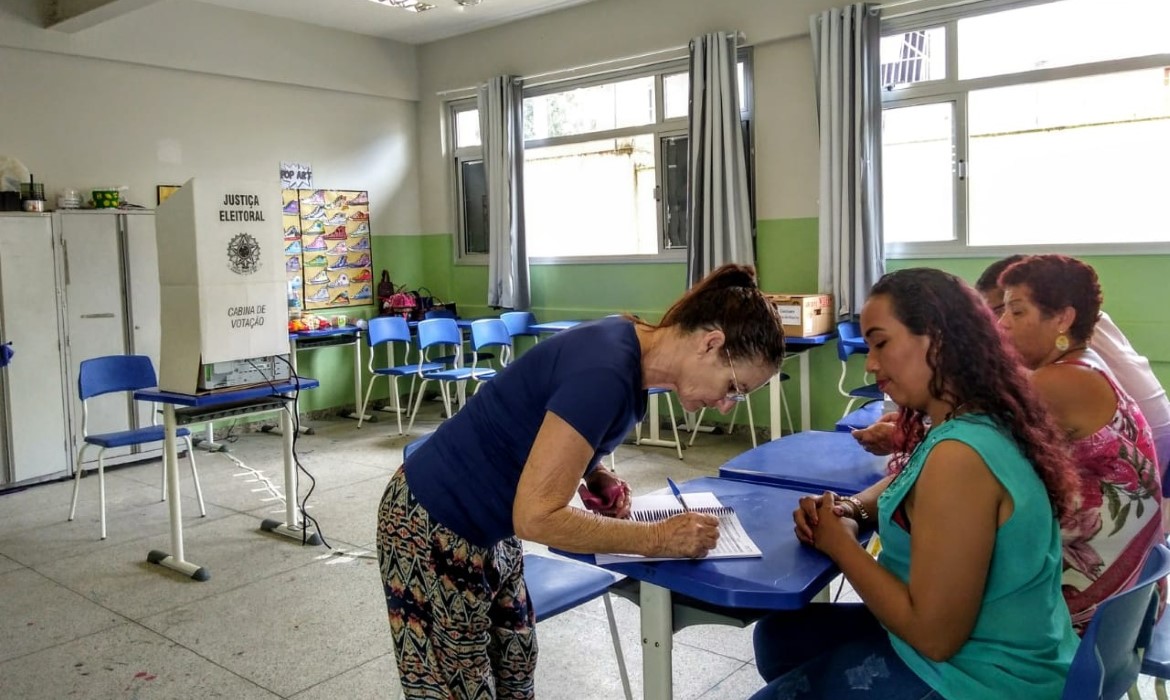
(718, 209)
(501, 128)
(846, 62)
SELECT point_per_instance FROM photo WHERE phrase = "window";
(605, 167)
(998, 131)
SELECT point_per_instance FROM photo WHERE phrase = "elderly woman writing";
(510, 462)
(964, 600)
(1051, 303)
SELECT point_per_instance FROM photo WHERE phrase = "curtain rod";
(574, 72)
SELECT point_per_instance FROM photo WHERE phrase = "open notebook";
(733, 539)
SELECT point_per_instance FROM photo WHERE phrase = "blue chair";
(388, 330)
(120, 373)
(433, 334)
(1109, 657)
(491, 333)
(850, 342)
(519, 323)
(558, 585)
(1156, 660)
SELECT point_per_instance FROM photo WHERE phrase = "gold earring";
(1062, 342)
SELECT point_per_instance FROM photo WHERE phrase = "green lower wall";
(787, 262)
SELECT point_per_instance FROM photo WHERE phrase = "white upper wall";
(786, 133)
(181, 89)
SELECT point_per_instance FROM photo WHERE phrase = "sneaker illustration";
(317, 227)
(292, 264)
(317, 243)
(293, 207)
(361, 198)
(337, 234)
(322, 295)
(339, 202)
(321, 277)
(335, 220)
(359, 216)
(363, 229)
(318, 261)
(363, 276)
(292, 233)
(341, 264)
(317, 199)
(362, 244)
(295, 282)
(339, 249)
(341, 281)
(363, 261)
(363, 293)
(340, 299)
(293, 248)
(318, 213)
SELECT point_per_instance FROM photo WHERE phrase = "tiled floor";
(81, 617)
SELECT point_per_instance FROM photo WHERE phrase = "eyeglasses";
(737, 394)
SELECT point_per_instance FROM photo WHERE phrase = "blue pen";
(677, 493)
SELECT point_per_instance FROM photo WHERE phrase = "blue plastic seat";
(120, 373)
(491, 334)
(850, 342)
(558, 585)
(1109, 657)
(389, 330)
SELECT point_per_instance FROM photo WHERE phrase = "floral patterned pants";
(459, 614)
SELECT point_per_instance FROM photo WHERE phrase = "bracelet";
(861, 511)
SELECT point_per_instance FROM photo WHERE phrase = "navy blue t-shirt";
(590, 376)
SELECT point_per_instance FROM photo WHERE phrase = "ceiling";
(447, 19)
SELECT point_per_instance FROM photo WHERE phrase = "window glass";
(467, 128)
(676, 95)
(475, 206)
(675, 161)
(1064, 33)
(1071, 161)
(918, 165)
(913, 57)
(595, 108)
(591, 198)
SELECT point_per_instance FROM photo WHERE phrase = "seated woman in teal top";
(964, 600)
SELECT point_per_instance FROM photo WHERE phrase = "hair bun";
(732, 275)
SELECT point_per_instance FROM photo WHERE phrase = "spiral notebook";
(733, 542)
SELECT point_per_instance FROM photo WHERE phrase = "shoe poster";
(327, 248)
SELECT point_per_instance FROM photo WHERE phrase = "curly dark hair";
(729, 299)
(975, 367)
(1058, 282)
(989, 280)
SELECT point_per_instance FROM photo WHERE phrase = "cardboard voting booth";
(221, 270)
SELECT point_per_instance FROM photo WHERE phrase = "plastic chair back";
(439, 313)
(518, 322)
(438, 331)
(487, 332)
(387, 329)
(849, 340)
(1109, 657)
(103, 375)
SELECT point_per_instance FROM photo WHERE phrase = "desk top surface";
(810, 340)
(325, 332)
(553, 326)
(785, 578)
(813, 460)
(219, 397)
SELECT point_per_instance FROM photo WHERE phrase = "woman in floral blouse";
(1051, 306)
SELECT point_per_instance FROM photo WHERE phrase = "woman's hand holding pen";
(686, 535)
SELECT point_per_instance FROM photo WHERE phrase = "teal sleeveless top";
(1023, 640)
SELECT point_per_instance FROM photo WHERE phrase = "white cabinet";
(110, 269)
(33, 419)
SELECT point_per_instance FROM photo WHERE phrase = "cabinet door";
(33, 385)
(143, 303)
(96, 319)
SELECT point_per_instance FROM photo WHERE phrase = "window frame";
(660, 129)
(953, 89)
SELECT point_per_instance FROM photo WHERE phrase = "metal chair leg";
(77, 481)
(102, 488)
(397, 402)
(674, 426)
(617, 647)
(366, 401)
(421, 391)
(194, 477)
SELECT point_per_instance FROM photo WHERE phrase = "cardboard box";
(221, 271)
(803, 315)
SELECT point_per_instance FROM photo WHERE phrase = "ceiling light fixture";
(409, 5)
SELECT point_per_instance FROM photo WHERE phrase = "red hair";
(975, 367)
(1058, 282)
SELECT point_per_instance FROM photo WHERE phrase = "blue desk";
(860, 418)
(552, 326)
(813, 461)
(201, 408)
(787, 577)
(798, 347)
